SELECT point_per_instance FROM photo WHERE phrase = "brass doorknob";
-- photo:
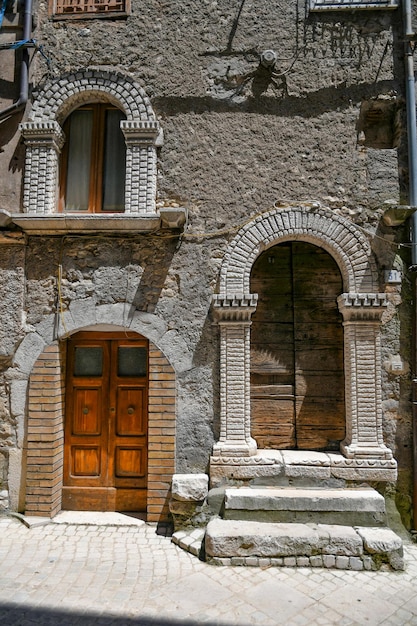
(130, 410)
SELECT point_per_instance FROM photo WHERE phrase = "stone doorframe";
(363, 452)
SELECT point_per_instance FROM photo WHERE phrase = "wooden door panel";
(130, 462)
(87, 411)
(86, 461)
(130, 411)
(272, 419)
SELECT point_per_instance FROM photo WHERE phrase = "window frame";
(56, 14)
(98, 140)
(352, 5)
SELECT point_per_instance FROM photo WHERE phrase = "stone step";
(356, 506)
(238, 542)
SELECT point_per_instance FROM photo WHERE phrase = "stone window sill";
(59, 224)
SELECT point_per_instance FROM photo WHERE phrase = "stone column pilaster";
(234, 317)
(44, 141)
(140, 194)
(362, 314)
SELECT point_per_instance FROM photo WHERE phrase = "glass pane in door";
(88, 361)
(132, 361)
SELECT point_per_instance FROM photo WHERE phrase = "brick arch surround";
(44, 138)
(363, 454)
(341, 239)
(45, 433)
(60, 96)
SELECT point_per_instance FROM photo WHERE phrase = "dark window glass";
(88, 361)
(132, 361)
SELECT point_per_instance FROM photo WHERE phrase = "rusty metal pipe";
(24, 69)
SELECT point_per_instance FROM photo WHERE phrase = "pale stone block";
(189, 487)
(16, 488)
(383, 541)
(83, 313)
(365, 474)
(355, 563)
(379, 540)
(28, 351)
(307, 471)
(4, 500)
(329, 560)
(316, 560)
(342, 562)
(342, 540)
(148, 325)
(18, 396)
(176, 351)
(290, 561)
(226, 538)
(368, 563)
(47, 329)
(116, 313)
(305, 457)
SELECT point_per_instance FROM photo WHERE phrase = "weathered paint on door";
(297, 377)
(105, 452)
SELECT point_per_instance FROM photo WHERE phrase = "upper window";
(335, 5)
(93, 161)
(88, 8)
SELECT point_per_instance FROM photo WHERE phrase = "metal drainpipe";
(24, 70)
(409, 37)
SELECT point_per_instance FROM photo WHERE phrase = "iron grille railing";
(77, 7)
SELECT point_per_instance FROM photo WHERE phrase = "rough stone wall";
(237, 139)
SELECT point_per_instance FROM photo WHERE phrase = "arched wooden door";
(297, 378)
(105, 451)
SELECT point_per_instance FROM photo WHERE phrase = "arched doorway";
(46, 408)
(106, 422)
(297, 373)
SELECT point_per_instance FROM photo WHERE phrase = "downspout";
(24, 70)
(409, 38)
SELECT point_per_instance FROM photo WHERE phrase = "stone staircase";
(343, 528)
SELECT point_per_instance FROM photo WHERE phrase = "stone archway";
(45, 433)
(361, 305)
(37, 401)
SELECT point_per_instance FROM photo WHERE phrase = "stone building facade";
(248, 129)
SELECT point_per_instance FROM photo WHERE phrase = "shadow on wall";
(312, 104)
(15, 614)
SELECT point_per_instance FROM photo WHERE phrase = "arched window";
(93, 161)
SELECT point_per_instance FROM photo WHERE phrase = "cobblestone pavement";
(88, 574)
